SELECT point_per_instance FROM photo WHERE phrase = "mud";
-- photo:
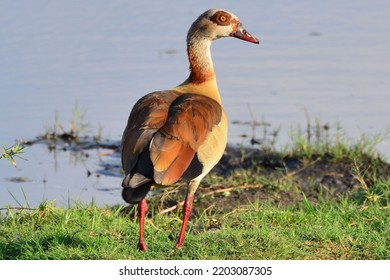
(276, 179)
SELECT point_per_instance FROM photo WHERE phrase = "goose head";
(217, 23)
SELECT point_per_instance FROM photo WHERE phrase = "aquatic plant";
(12, 152)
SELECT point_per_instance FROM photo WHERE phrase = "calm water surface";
(330, 58)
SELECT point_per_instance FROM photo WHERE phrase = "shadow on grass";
(23, 248)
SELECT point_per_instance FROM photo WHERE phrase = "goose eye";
(222, 18)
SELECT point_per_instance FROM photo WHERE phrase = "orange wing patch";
(190, 120)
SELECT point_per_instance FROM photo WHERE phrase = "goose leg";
(187, 209)
(142, 209)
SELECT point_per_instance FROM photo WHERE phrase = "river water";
(330, 58)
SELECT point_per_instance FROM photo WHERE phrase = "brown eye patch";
(221, 18)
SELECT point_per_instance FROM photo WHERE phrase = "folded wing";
(164, 132)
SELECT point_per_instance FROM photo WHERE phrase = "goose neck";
(201, 64)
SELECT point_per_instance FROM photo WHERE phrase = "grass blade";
(309, 207)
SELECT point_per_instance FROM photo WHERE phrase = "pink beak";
(242, 34)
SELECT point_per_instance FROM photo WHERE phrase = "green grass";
(326, 230)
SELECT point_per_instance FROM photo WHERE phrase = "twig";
(234, 211)
(17, 208)
(170, 209)
(232, 188)
(295, 172)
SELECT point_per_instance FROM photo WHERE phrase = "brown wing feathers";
(148, 115)
(171, 128)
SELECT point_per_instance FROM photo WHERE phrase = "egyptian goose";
(181, 133)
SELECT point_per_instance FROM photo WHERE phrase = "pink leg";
(142, 209)
(187, 209)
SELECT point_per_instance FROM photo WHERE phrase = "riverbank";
(315, 199)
